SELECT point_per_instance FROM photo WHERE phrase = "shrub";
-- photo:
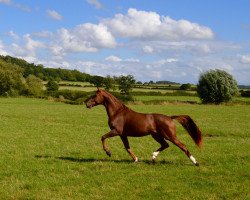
(123, 97)
(245, 93)
(34, 86)
(52, 86)
(216, 86)
(186, 86)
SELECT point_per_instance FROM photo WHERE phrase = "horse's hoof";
(197, 164)
(109, 153)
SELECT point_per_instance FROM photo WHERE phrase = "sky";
(174, 40)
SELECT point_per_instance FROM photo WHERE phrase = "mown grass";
(53, 151)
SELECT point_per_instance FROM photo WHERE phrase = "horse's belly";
(138, 130)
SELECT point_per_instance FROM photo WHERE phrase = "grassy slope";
(53, 151)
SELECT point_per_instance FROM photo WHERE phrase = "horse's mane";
(113, 98)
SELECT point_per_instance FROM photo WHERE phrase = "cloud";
(113, 59)
(27, 48)
(43, 34)
(54, 15)
(165, 61)
(13, 35)
(83, 38)
(132, 60)
(147, 49)
(16, 5)
(145, 25)
(31, 45)
(95, 3)
(245, 59)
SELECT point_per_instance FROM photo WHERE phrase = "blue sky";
(173, 40)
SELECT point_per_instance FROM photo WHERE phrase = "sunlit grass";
(53, 151)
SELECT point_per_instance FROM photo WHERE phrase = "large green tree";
(216, 86)
(109, 83)
(126, 84)
(11, 79)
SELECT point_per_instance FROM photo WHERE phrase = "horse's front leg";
(126, 144)
(112, 133)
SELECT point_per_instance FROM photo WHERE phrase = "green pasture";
(51, 150)
(184, 99)
(168, 98)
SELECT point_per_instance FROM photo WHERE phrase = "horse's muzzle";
(89, 106)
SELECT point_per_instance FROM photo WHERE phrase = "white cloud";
(151, 26)
(83, 38)
(31, 45)
(113, 59)
(13, 35)
(16, 5)
(42, 34)
(54, 15)
(133, 60)
(95, 3)
(245, 59)
(165, 61)
(147, 49)
(27, 48)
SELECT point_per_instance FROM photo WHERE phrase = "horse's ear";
(98, 89)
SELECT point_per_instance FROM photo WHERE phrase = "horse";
(125, 122)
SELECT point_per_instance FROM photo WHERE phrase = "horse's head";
(95, 100)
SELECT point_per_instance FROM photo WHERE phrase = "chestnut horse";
(125, 122)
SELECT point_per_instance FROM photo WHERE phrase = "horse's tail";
(190, 127)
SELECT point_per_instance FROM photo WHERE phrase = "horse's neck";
(113, 107)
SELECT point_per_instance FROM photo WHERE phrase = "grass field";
(53, 150)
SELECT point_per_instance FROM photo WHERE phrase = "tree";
(109, 83)
(11, 79)
(126, 84)
(97, 81)
(186, 86)
(52, 86)
(34, 85)
(216, 86)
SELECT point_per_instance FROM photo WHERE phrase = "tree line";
(18, 77)
(44, 73)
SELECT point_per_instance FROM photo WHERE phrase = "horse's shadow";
(94, 160)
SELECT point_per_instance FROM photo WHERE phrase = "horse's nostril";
(89, 106)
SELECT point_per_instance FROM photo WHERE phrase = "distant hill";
(244, 86)
(167, 82)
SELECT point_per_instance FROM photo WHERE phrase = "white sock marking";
(193, 159)
(155, 154)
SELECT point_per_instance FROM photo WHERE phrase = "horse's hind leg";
(183, 148)
(126, 144)
(159, 138)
